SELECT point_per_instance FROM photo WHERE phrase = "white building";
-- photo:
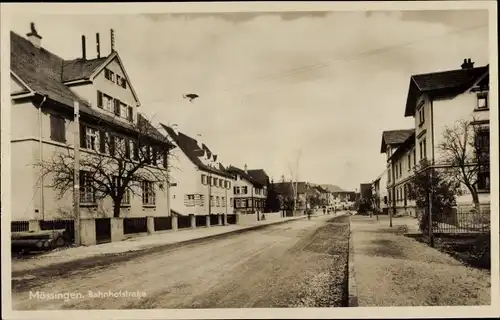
(249, 193)
(198, 176)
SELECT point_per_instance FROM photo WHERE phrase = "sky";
(319, 87)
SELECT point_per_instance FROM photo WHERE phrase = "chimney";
(34, 37)
(246, 168)
(84, 49)
(98, 45)
(468, 64)
(112, 34)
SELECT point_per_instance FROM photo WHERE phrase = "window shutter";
(136, 150)
(124, 83)
(117, 107)
(83, 136)
(130, 113)
(165, 159)
(111, 145)
(127, 149)
(102, 141)
(99, 99)
(53, 128)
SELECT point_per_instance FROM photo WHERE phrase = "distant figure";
(309, 214)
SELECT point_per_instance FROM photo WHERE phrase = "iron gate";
(103, 230)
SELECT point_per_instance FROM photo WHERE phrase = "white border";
(133, 8)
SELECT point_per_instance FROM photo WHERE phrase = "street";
(296, 264)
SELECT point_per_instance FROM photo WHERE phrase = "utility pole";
(253, 202)
(76, 173)
(209, 191)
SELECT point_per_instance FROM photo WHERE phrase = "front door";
(103, 230)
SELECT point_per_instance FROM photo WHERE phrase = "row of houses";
(435, 101)
(134, 177)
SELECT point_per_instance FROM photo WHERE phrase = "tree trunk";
(475, 200)
(116, 207)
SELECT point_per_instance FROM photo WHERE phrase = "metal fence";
(135, 225)
(463, 220)
(163, 223)
(67, 225)
(19, 226)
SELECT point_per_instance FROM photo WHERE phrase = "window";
(108, 74)
(236, 190)
(482, 100)
(400, 168)
(120, 146)
(409, 162)
(221, 182)
(109, 103)
(203, 179)
(126, 193)
(218, 201)
(223, 200)
(231, 202)
(57, 128)
(127, 149)
(123, 110)
(100, 99)
(216, 182)
(88, 138)
(420, 145)
(244, 190)
(414, 157)
(389, 174)
(202, 200)
(123, 83)
(421, 114)
(112, 145)
(212, 201)
(87, 192)
(148, 193)
(229, 184)
(189, 200)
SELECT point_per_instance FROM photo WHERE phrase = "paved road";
(288, 265)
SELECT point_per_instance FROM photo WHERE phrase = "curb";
(154, 248)
(353, 289)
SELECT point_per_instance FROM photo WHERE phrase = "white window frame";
(87, 190)
(148, 193)
(89, 134)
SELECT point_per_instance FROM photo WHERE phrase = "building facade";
(45, 89)
(201, 185)
(249, 193)
(438, 101)
(398, 145)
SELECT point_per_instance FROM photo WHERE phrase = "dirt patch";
(473, 251)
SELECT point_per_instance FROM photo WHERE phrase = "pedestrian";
(309, 214)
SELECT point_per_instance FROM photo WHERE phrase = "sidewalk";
(136, 244)
(393, 270)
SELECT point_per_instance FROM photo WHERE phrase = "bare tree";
(117, 161)
(294, 173)
(465, 151)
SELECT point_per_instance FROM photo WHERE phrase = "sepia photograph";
(212, 160)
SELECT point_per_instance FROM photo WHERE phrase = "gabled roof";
(452, 82)
(42, 70)
(286, 187)
(190, 148)
(331, 188)
(79, 69)
(245, 175)
(320, 189)
(395, 138)
(259, 175)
